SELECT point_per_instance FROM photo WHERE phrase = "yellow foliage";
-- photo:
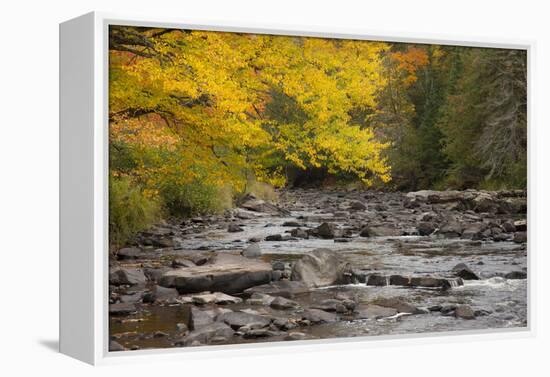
(196, 108)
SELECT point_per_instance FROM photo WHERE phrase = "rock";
(485, 202)
(425, 281)
(299, 233)
(115, 346)
(260, 299)
(199, 258)
(319, 316)
(373, 312)
(378, 280)
(159, 294)
(318, 268)
(126, 276)
(331, 305)
(326, 230)
(234, 228)
(433, 282)
(274, 237)
(516, 275)
(291, 223)
(225, 273)
(155, 274)
(252, 251)
(199, 318)
(520, 237)
(282, 303)
(397, 304)
(283, 288)
(451, 229)
(133, 298)
(122, 309)
(400, 280)
(357, 206)
(129, 253)
(520, 225)
(251, 203)
(464, 272)
(238, 319)
(435, 308)
(435, 197)
(425, 228)
(278, 266)
(243, 214)
(474, 231)
(464, 312)
(215, 298)
(206, 333)
(508, 227)
(295, 335)
(257, 333)
(180, 262)
(182, 327)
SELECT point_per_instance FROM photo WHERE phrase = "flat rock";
(215, 298)
(282, 303)
(319, 316)
(224, 273)
(122, 308)
(239, 319)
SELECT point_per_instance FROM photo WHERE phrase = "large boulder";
(464, 272)
(320, 267)
(225, 273)
(126, 276)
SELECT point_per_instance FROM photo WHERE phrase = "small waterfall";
(456, 282)
(387, 280)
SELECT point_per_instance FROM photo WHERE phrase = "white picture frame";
(84, 190)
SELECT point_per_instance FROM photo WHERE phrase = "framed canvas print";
(225, 187)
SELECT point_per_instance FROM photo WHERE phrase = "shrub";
(197, 197)
(130, 211)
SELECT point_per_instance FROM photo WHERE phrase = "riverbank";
(323, 264)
